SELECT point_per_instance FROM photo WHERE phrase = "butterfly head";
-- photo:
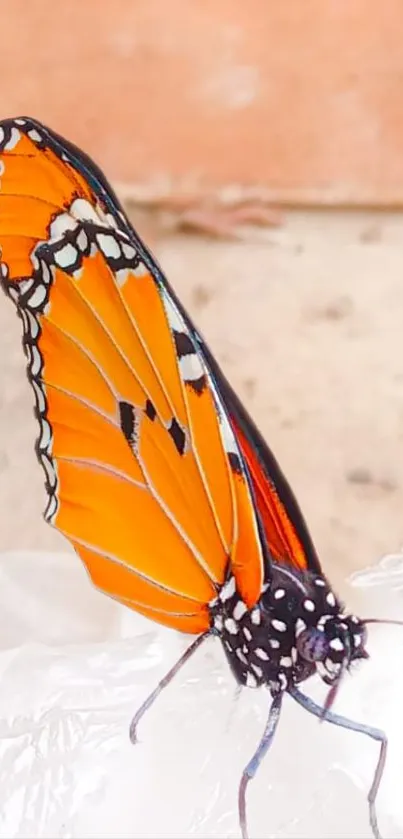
(332, 644)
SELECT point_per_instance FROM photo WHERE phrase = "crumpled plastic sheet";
(75, 666)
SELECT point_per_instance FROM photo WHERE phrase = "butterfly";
(154, 470)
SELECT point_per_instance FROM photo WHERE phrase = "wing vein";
(103, 467)
(102, 324)
(88, 355)
(135, 571)
(191, 433)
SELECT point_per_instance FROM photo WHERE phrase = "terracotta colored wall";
(303, 97)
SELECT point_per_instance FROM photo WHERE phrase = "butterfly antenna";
(388, 621)
(164, 682)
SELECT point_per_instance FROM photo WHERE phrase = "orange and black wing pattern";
(285, 532)
(144, 473)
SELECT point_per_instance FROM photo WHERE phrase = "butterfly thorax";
(297, 627)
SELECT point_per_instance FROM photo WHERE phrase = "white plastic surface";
(74, 667)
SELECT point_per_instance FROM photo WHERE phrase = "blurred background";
(259, 150)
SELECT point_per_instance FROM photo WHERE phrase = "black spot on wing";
(184, 349)
(178, 435)
(128, 422)
(183, 344)
(235, 463)
(150, 411)
(198, 385)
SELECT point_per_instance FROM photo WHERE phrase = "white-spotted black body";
(297, 627)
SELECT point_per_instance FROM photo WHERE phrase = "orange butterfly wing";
(143, 471)
(284, 529)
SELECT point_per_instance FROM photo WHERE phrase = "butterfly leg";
(250, 770)
(344, 722)
(164, 682)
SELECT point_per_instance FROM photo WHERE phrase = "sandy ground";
(306, 321)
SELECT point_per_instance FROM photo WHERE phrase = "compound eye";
(312, 644)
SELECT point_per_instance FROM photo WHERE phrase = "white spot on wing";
(40, 397)
(112, 221)
(128, 250)
(46, 435)
(38, 297)
(33, 325)
(82, 240)
(14, 139)
(83, 210)
(190, 367)
(60, 224)
(174, 319)
(36, 362)
(66, 256)
(34, 135)
(227, 433)
(109, 245)
(250, 681)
